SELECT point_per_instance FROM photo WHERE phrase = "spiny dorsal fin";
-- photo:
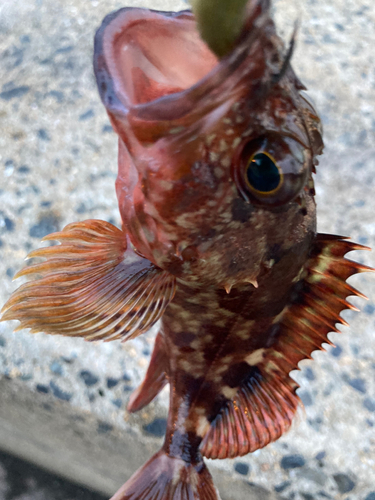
(265, 404)
(316, 303)
(92, 285)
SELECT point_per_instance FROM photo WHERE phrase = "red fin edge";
(92, 285)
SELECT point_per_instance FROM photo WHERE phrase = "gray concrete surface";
(62, 402)
(20, 480)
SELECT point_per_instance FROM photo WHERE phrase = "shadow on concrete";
(20, 480)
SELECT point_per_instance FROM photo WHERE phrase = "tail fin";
(167, 478)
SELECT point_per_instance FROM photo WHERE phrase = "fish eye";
(271, 169)
(263, 175)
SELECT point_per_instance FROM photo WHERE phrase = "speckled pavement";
(62, 401)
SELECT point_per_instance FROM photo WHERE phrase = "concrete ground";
(62, 401)
(20, 480)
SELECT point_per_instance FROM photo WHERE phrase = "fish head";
(215, 156)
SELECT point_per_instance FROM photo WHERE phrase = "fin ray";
(168, 478)
(92, 285)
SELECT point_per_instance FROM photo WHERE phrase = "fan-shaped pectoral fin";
(92, 285)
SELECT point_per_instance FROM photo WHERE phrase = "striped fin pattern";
(92, 285)
(166, 477)
(261, 413)
(263, 408)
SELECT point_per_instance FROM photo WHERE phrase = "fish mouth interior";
(160, 56)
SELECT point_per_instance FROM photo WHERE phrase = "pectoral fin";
(92, 285)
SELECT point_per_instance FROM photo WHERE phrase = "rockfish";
(216, 195)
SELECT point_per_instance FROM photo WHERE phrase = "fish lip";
(211, 91)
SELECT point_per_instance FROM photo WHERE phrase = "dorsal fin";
(92, 285)
(265, 404)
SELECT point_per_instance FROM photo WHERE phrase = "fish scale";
(218, 240)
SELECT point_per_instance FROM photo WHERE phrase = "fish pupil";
(262, 173)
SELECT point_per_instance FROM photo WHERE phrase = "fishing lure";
(219, 240)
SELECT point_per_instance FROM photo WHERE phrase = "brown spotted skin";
(202, 229)
(210, 336)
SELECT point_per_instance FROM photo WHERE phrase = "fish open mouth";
(149, 55)
(154, 55)
(154, 66)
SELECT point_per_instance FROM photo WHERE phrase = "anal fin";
(261, 412)
(155, 379)
(92, 285)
